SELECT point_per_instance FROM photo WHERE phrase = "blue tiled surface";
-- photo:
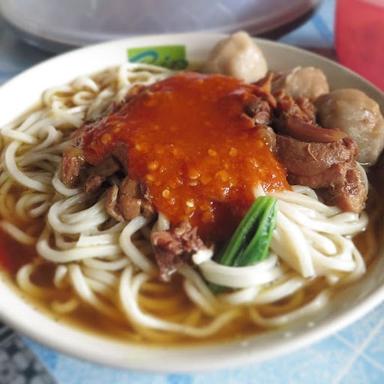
(353, 356)
(318, 31)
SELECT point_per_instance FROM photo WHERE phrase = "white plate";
(348, 305)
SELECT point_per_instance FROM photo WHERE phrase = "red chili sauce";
(187, 138)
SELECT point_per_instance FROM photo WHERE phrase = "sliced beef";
(100, 173)
(330, 167)
(320, 158)
(350, 194)
(330, 176)
(259, 111)
(73, 162)
(308, 159)
(93, 183)
(307, 107)
(309, 132)
(146, 207)
(111, 203)
(75, 170)
(296, 118)
(174, 247)
(72, 165)
(127, 201)
(130, 201)
(288, 107)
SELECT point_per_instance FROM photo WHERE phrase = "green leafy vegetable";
(250, 242)
(258, 247)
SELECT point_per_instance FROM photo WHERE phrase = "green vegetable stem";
(250, 242)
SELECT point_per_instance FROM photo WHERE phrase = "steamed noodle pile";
(108, 266)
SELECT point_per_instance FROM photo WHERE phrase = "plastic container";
(360, 37)
(54, 24)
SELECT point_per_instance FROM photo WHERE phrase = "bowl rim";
(73, 341)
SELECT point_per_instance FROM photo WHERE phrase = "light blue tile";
(327, 13)
(356, 333)
(315, 364)
(375, 349)
(179, 379)
(321, 26)
(305, 36)
(48, 356)
(73, 371)
(362, 372)
(316, 32)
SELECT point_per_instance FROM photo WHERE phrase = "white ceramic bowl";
(23, 91)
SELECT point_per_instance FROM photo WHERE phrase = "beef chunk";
(72, 164)
(127, 201)
(99, 173)
(317, 157)
(308, 159)
(350, 194)
(111, 205)
(330, 167)
(259, 111)
(174, 247)
(297, 119)
(288, 107)
(308, 131)
(307, 107)
(332, 175)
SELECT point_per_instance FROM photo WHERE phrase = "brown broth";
(14, 255)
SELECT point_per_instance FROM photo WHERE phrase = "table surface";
(354, 355)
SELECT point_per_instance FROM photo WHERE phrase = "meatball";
(237, 56)
(359, 116)
(308, 82)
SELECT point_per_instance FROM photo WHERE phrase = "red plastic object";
(360, 37)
